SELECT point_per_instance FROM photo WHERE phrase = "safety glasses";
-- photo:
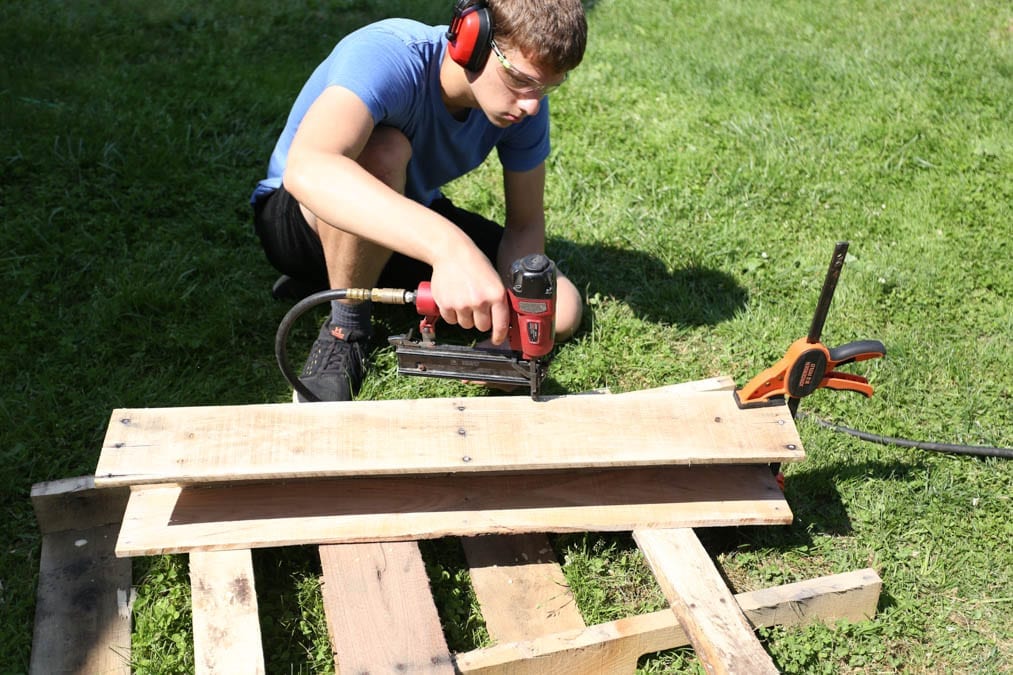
(520, 83)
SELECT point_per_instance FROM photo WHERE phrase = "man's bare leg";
(569, 309)
(354, 262)
(337, 363)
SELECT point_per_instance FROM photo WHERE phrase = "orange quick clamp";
(807, 367)
(808, 364)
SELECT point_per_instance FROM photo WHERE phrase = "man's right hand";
(471, 294)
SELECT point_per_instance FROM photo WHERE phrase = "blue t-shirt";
(394, 67)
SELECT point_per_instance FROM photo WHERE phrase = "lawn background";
(707, 156)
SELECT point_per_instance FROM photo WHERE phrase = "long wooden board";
(82, 615)
(721, 636)
(284, 441)
(173, 519)
(614, 647)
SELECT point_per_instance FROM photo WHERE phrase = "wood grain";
(226, 625)
(173, 519)
(678, 426)
(75, 504)
(82, 605)
(722, 638)
(520, 587)
(380, 612)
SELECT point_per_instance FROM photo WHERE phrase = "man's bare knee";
(386, 156)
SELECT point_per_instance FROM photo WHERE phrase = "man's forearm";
(518, 242)
(341, 194)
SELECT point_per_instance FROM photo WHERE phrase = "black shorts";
(293, 248)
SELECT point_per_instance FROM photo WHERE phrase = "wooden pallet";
(693, 460)
(381, 615)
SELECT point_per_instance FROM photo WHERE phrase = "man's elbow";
(297, 178)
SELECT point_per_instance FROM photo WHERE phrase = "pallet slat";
(520, 587)
(82, 616)
(436, 436)
(226, 625)
(82, 606)
(380, 612)
(723, 639)
(175, 519)
(76, 504)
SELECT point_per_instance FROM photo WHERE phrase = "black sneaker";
(336, 364)
(290, 288)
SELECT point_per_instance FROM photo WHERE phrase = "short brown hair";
(552, 33)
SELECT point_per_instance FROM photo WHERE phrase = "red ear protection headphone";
(470, 34)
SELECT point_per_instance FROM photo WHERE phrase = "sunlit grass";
(707, 156)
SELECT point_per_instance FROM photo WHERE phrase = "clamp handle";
(860, 350)
(806, 367)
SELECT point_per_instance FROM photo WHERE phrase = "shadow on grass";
(816, 503)
(691, 296)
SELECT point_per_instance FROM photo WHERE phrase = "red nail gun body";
(532, 295)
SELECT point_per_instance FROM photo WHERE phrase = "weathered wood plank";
(75, 504)
(851, 596)
(379, 609)
(282, 441)
(723, 639)
(82, 607)
(520, 587)
(226, 625)
(253, 515)
(614, 647)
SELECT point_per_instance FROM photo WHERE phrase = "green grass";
(707, 155)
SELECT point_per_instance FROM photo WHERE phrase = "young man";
(398, 109)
